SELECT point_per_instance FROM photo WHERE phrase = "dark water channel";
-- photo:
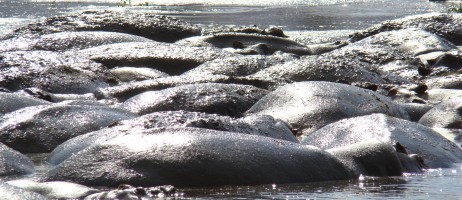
(292, 15)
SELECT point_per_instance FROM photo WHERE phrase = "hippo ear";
(124, 187)
(420, 89)
(420, 160)
(400, 148)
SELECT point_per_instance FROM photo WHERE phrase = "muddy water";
(299, 15)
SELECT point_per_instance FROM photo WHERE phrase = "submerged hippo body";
(376, 158)
(152, 26)
(13, 162)
(127, 74)
(197, 157)
(228, 40)
(40, 129)
(224, 99)
(436, 150)
(447, 114)
(254, 125)
(10, 102)
(448, 26)
(239, 65)
(308, 106)
(52, 72)
(67, 41)
(54, 190)
(10, 192)
(125, 91)
(172, 59)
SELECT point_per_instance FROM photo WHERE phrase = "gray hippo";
(10, 192)
(149, 25)
(398, 52)
(447, 114)
(308, 106)
(13, 162)
(64, 41)
(52, 72)
(39, 129)
(445, 81)
(448, 26)
(436, 150)
(388, 57)
(239, 65)
(241, 40)
(125, 91)
(252, 125)
(128, 74)
(10, 102)
(54, 97)
(377, 158)
(197, 157)
(225, 99)
(172, 59)
(54, 190)
(437, 95)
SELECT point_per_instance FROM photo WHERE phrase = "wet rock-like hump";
(155, 27)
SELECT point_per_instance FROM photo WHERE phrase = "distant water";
(288, 14)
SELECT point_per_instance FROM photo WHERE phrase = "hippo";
(39, 129)
(125, 91)
(252, 125)
(172, 59)
(128, 74)
(445, 81)
(64, 41)
(13, 162)
(53, 72)
(228, 40)
(14, 193)
(446, 25)
(155, 27)
(225, 99)
(197, 157)
(377, 158)
(10, 102)
(54, 97)
(272, 31)
(308, 106)
(55, 190)
(447, 114)
(436, 151)
(324, 68)
(239, 65)
(398, 52)
(436, 96)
